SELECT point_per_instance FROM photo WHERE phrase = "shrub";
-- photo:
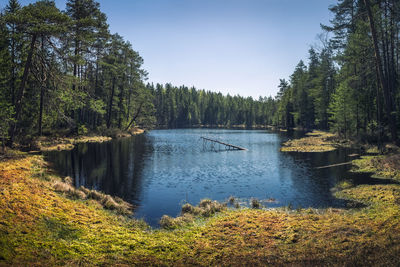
(82, 130)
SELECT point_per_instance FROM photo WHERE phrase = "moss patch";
(382, 166)
(67, 143)
(316, 141)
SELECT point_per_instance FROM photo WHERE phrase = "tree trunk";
(110, 103)
(382, 79)
(134, 117)
(75, 64)
(13, 78)
(42, 85)
(18, 102)
(120, 104)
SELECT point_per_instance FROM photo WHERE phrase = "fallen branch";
(334, 165)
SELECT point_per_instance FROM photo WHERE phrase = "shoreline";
(52, 143)
(44, 220)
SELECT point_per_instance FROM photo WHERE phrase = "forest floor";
(44, 220)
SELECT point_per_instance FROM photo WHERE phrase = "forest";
(350, 85)
(62, 70)
(327, 195)
(177, 107)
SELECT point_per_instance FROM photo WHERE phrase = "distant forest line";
(64, 70)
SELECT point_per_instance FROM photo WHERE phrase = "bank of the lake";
(161, 170)
(45, 226)
(58, 143)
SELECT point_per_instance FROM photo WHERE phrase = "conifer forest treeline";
(62, 70)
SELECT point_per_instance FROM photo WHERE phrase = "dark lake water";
(162, 169)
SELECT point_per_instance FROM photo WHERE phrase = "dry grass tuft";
(68, 180)
(69, 190)
(63, 187)
(170, 223)
(108, 202)
(189, 213)
(96, 195)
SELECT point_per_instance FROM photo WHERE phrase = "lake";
(161, 170)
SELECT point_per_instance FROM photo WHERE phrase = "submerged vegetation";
(44, 220)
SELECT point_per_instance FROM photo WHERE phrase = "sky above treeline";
(232, 46)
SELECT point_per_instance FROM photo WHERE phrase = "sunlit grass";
(67, 143)
(316, 141)
(381, 166)
(41, 226)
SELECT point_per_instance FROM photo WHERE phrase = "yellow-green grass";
(382, 166)
(67, 143)
(316, 141)
(39, 226)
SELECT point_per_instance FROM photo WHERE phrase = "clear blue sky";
(232, 46)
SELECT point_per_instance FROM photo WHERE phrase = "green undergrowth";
(43, 225)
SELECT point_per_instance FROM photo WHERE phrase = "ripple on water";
(164, 168)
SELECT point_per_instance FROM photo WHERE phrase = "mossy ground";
(315, 141)
(67, 143)
(39, 226)
(381, 166)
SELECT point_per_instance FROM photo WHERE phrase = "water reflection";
(113, 167)
(159, 171)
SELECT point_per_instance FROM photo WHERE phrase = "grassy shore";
(316, 141)
(381, 166)
(43, 225)
(67, 143)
